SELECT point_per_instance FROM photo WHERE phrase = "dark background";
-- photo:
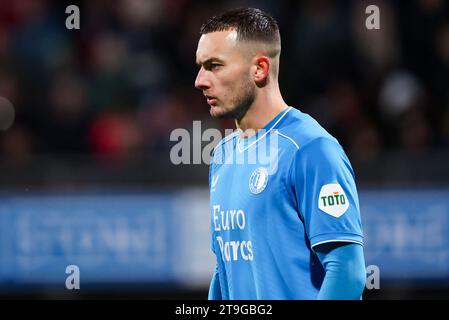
(94, 108)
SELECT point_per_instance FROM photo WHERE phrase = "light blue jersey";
(273, 198)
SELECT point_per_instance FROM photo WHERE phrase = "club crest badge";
(258, 180)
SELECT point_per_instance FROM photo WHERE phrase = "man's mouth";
(212, 101)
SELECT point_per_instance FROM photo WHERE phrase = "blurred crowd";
(122, 82)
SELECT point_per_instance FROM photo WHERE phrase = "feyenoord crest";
(258, 180)
(333, 200)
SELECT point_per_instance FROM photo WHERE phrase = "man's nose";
(201, 81)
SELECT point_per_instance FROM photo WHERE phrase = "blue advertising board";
(111, 238)
(407, 233)
(163, 237)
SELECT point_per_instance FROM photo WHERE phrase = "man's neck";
(262, 111)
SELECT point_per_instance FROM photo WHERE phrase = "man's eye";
(215, 66)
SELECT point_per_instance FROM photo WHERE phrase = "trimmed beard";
(241, 103)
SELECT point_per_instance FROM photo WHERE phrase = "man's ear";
(262, 68)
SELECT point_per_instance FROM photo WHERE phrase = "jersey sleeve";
(326, 194)
(345, 271)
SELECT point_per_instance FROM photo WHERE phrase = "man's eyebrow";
(210, 60)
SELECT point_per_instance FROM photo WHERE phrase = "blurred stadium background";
(86, 177)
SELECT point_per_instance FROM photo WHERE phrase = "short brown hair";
(251, 24)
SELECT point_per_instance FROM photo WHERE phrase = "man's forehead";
(215, 44)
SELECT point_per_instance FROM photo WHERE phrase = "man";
(287, 228)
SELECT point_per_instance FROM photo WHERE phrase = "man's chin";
(220, 113)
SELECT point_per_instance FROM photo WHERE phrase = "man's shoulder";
(301, 129)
